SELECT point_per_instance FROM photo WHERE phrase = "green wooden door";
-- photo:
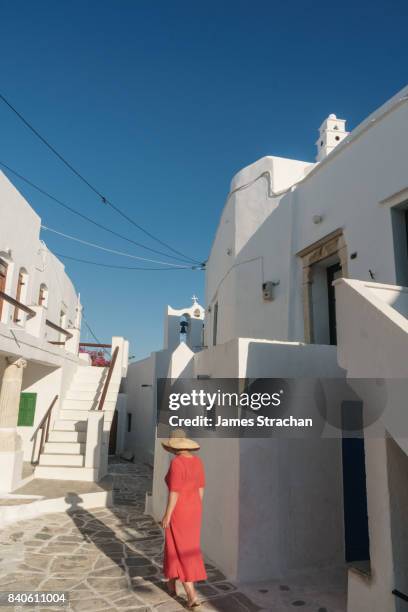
(27, 409)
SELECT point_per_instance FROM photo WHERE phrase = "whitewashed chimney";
(331, 133)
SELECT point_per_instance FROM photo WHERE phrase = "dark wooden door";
(354, 483)
(3, 276)
(333, 272)
(113, 433)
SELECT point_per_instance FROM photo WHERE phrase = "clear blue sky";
(160, 102)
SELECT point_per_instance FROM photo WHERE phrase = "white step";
(74, 415)
(62, 459)
(69, 404)
(68, 416)
(89, 373)
(67, 436)
(95, 380)
(64, 473)
(89, 395)
(85, 384)
(68, 448)
(92, 387)
(78, 425)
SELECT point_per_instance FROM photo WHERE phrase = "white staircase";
(63, 456)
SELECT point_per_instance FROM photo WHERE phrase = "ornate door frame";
(332, 244)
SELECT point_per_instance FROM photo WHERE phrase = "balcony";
(25, 334)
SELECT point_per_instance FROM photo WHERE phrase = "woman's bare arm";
(201, 491)
(171, 504)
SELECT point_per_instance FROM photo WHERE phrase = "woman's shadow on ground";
(132, 551)
(137, 551)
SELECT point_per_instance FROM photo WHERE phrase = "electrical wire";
(108, 250)
(76, 212)
(103, 265)
(93, 335)
(100, 195)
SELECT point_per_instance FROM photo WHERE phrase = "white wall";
(140, 405)
(290, 490)
(264, 233)
(46, 382)
(271, 506)
(373, 343)
(50, 368)
(19, 232)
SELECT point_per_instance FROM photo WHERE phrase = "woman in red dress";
(182, 520)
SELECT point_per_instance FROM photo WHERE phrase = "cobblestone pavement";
(110, 559)
(106, 559)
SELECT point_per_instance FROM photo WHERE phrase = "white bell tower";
(190, 320)
(331, 133)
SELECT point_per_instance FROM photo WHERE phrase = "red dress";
(182, 552)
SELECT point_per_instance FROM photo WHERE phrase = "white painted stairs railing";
(77, 445)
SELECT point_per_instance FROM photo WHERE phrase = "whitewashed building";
(306, 279)
(50, 395)
(183, 337)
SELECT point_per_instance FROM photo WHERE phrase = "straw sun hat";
(178, 442)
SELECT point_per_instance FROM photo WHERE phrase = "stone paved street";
(107, 559)
(110, 559)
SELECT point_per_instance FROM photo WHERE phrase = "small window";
(129, 422)
(43, 295)
(21, 294)
(26, 410)
(62, 323)
(3, 278)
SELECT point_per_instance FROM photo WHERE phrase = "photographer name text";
(259, 421)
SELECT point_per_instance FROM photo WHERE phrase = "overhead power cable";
(104, 265)
(93, 335)
(100, 195)
(79, 214)
(114, 251)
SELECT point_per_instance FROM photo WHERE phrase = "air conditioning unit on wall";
(268, 290)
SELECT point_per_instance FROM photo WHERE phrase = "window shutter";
(27, 409)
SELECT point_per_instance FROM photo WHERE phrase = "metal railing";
(108, 378)
(44, 425)
(59, 329)
(400, 595)
(31, 313)
(93, 345)
(17, 304)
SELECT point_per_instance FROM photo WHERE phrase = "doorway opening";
(113, 434)
(354, 484)
(399, 219)
(322, 262)
(333, 272)
(323, 300)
